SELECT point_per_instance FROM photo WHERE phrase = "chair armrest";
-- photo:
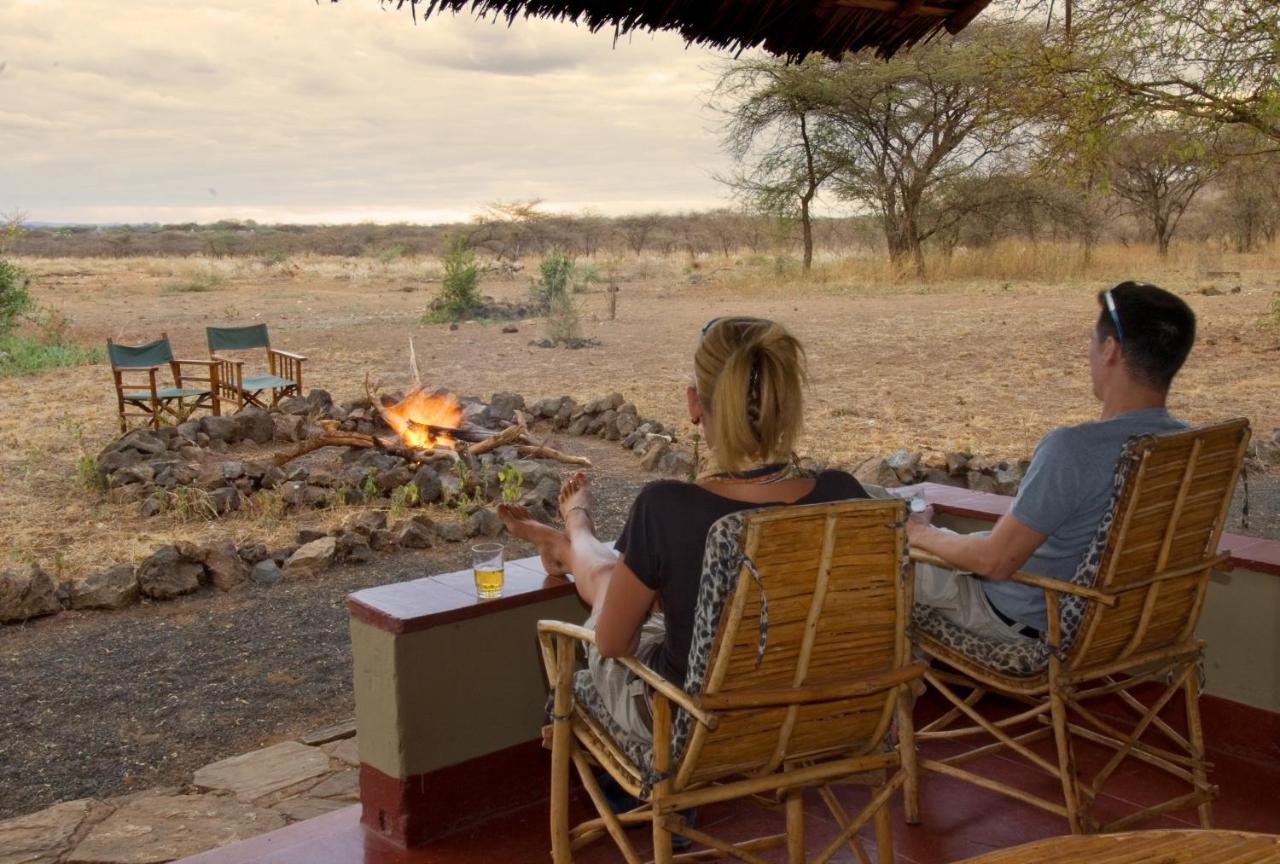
(209, 363)
(653, 679)
(1047, 583)
(744, 699)
(218, 358)
(288, 354)
(126, 370)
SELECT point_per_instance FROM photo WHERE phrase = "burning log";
(362, 441)
(510, 435)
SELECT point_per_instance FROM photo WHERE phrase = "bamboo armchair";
(135, 370)
(1127, 620)
(797, 688)
(284, 376)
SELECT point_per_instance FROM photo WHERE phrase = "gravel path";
(100, 704)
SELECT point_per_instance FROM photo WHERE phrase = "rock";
(568, 408)
(653, 456)
(903, 463)
(416, 533)
(28, 594)
(579, 426)
(451, 532)
(296, 405)
(942, 476)
(430, 489)
(319, 399)
(305, 807)
(347, 750)
(957, 463)
(252, 553)
(484, 523)
(609, 426)
(503, 406)
(144, 441)
(297, 493)
(225, 567)
(152, 506)
(548, 492)
(626, 425)
(307, 535)
(113, 588)
(167, 573)
(510, 328)
(612, 402)
(222, 429)
(677, 464)
(546, 409)
(342, 730)
(322, 478)
(45, 836)
(381, 539)
(1008, 478)
(980, 482)
(254, 424)
(271, 477)
(353, 547)
(251, 776)
(266, 572)
(153, 828)
(876, 472)
(232, 470)
(311, 558)
(224, 500)
(367, 522)
(140, 473)
(342, 785)
(297, 472)
(388, 481)
(287, 427)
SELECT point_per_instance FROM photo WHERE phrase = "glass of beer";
(486, 560)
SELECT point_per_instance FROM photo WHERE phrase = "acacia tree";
(778, 137)
(909, 129)
(1160, 170)
(1214, 61)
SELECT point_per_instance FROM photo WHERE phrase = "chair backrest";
(820, 597)
(237, 338)
(155, 353)
(1163, 542)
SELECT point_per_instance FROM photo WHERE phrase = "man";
(1142, 336)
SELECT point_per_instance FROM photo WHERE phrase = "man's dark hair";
(1157, 330)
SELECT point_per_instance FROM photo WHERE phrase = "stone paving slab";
(347, 751)
(343, 784)
(155, 828)
(45, 836)
(306, 807)
(251, 776)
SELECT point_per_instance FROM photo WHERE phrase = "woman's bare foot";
(552, 544)
(575, 502)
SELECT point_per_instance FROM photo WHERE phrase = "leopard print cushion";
(722, 560)
(1027, 657)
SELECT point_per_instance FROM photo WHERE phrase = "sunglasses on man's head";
(1115, 316)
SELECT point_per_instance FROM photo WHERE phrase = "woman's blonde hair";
(750, 375)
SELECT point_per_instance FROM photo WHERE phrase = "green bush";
(553, 284)
(459, 295)
(14, 299)
(199, 283)
(24, 353)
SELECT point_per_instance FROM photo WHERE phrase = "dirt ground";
(983, 366)
(103, 703)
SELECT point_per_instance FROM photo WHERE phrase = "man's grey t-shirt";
(1065, 495)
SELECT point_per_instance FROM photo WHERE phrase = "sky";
(298, 111)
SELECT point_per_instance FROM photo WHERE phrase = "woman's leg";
(575, 550)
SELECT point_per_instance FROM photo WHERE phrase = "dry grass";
(985, 356)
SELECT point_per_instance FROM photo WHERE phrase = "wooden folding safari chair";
(150, 398)
(284, 377)
(1123, 626)
(796, 689)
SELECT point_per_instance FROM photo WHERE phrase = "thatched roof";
(789, 28)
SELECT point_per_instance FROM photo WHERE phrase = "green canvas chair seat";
(258, 383)
(283, 377)
(141, 393)
(167, 393)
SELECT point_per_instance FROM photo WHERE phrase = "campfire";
(425, 420)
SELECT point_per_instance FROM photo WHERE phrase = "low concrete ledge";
(450, 698)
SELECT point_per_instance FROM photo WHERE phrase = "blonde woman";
(748, 397)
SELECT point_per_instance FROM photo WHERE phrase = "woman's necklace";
(776, 472)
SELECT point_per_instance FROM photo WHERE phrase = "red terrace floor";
(960, 821)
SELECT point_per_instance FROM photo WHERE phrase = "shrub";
(562, 320)
(205, 280)
(552, 285)
(25, 353)
(459, 295)
(14, 299)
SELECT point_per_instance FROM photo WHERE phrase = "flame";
(418, 410)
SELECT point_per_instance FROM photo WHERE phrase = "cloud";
(341, 110)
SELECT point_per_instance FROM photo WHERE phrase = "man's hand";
(997, 555)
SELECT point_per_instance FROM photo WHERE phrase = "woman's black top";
(663, 543)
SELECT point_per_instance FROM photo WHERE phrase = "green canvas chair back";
(237, 338)
(157, 353)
